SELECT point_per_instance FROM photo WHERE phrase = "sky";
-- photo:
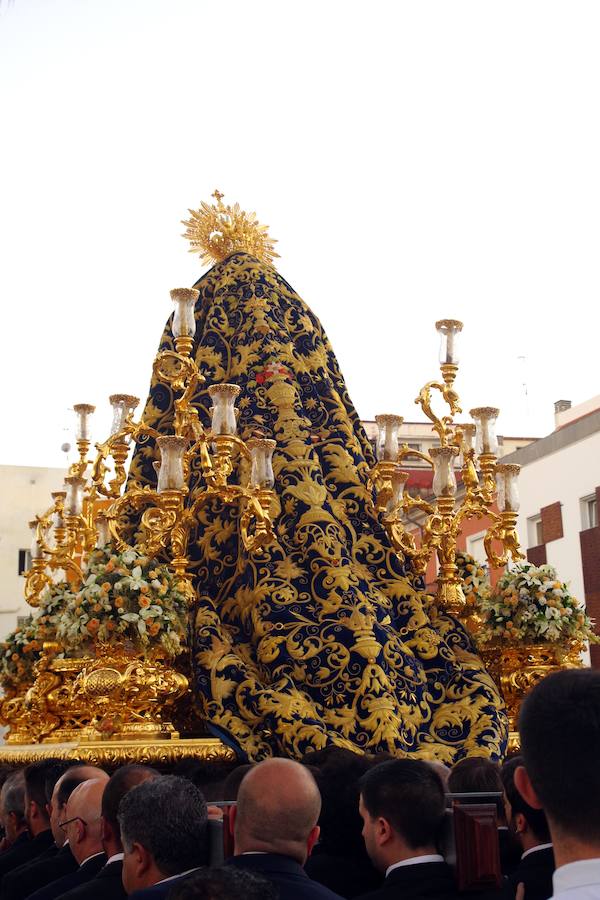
(415, 161)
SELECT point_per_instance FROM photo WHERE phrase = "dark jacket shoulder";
(62, 885)
(419, 881)
(46, 867)
(24, 850)
(107, 883)
(160, 890)
(535, 871)
(286, 873)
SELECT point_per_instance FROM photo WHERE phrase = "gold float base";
(118, 752)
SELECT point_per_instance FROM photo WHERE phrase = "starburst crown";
(215, 231)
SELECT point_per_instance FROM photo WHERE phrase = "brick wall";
(552, 526)
(537, 555)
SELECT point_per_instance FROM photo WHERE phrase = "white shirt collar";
(93, 856)
(116, 857)
(415, 861)
(581, 874)
(179, 875)
(535, 849)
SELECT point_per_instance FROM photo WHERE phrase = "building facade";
(25, 492)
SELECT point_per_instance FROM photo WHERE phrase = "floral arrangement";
(21, 650)
(19, 654)
(530, 603)
(125, 597)
(474, 577)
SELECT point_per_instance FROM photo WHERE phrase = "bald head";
(84, 808)
(278, 808)
(63, 789)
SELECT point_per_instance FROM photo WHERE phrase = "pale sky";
(415, 161)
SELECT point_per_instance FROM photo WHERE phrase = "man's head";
(528, 824)
(559, 727)
(64, 787)
(477, 775)
(402, 806)
(277, 810)
(12, 806)
(82, 823)
(124, 779)
(36, 810)
(163, 826)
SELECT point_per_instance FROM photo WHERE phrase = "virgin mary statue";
(326, 636)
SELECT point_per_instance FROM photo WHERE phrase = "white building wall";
(25, 492)
(565, 476)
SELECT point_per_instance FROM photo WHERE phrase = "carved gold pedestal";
(115, 694)
(129, 697)
(14, 715)
(516, 668)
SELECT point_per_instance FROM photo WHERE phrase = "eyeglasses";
(64, 824)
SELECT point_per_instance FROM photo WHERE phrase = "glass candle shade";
(74, 499)
(34, 548)
(57, 516)
(57, 520)
(485, 424)
(223, 398)
(399, 480)
(448, 330)
(123, 405)
(184, 320)
(468, 442)
(103, 531)
(444, 479)
(170, 474)
(261, 451)
(388, 442)
(507, 476)
(83, 411)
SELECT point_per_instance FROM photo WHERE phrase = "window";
(24, 561)
(476, 549)
(589, 512)
(535, 535)
(414, 446)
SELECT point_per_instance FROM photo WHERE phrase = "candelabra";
(117, 690)
(88, 512)
(473, 447)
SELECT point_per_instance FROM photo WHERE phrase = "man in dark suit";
(402, 806)
(82, 831)
(275, 827)
(36, 816)
(164, 832)
(57, 860)
(108, 883)
(530, 827)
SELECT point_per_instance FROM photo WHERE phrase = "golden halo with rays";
(215, 231)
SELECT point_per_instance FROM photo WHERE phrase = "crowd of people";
(337, 824)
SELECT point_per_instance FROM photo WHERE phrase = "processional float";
(250, 585)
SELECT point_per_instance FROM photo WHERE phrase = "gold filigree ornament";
(216, 231)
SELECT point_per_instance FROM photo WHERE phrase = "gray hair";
(168, 817)
(13, 795)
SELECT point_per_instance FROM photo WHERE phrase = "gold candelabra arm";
(487, 466)
(406, 451)
(381, 480)
(165, 523)
(441, 425)
(256, 521)
(503, 529)
(36, 580)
